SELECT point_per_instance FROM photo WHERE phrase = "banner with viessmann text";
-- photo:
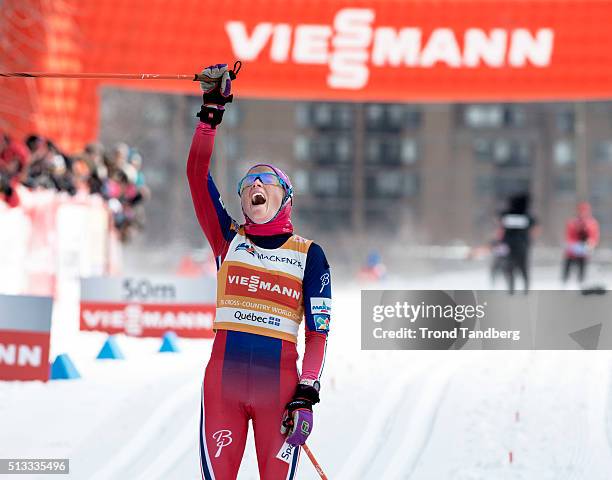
(148, 306)
(383, 50)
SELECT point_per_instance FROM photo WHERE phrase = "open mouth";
(258, 199)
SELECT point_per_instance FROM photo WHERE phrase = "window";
(343, 149)
(411, 184)
(412, 116)
(500, 185)
(603, 152)
(515, 116)
(483, 116)
(375, 115)
(395, 116)
(409, 152)
(301, 148)
(601, 186)
(300, 181)
(373, 150)
(502, 152)
(482, 149)
(506, 186)
(391, 183)
(391, 117)
(563, 153)
(324, 149)
(330, 183)
(345, 116)
(336, 116)
(565, 120)
(326, 183)
(384, 151)
(565, 184)
(302, 115)
(322, 115)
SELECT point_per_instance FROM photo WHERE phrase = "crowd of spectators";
(115, 174)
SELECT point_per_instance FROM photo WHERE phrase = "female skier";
(268, 281)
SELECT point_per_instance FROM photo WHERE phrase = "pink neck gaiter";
(279, 224)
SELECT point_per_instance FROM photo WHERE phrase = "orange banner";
(420, 50)
(377, 50)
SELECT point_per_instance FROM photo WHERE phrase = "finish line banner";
(484, 320)
(149, 306)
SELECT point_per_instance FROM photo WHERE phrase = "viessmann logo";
(255, 283)
(353, 43)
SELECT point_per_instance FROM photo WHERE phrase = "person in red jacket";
(581, 237)
(269, 282)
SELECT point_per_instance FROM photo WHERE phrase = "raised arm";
(212, 215)
(216, 223)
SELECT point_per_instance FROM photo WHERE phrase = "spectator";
(581, 238)
(39, 164)
(94, 157)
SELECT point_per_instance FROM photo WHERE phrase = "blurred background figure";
(14, 157)
(499, 255)
(374, 269)
(197, 263)
(93, 155)
(519, 227)
(581, 238)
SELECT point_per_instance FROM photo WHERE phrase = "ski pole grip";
(199, 77)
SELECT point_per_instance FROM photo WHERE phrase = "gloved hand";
(297, 419)
(216, 94)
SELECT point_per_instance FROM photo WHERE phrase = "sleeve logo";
(320, 305)
(324, 281)
(321, 322)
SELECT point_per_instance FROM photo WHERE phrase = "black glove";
(305, 396)
(217, 93)
(297, 419)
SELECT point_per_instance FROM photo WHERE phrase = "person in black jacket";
(518, 226)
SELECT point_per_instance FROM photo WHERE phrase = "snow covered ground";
(389, 415)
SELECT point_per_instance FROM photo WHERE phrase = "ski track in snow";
(153, 428)
(419, 426)
(562, 401)
(372, 438)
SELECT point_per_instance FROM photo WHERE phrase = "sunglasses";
(267, 178)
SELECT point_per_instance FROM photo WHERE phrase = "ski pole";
(314, 462)
(196, 77)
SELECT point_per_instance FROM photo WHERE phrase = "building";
(436, 173)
